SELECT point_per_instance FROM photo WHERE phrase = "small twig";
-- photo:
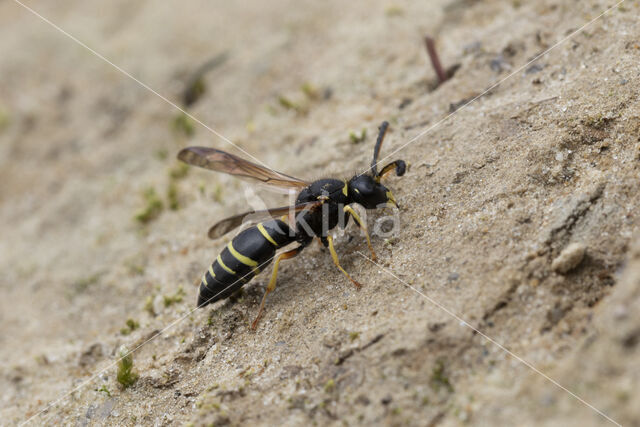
(194, 87)
(350, 352)
(435, 60)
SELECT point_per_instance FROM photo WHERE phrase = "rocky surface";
(517, 231)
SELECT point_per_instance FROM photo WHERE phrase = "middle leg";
(334, 255)
(349, 210)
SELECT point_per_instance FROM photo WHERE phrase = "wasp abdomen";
(242, 259)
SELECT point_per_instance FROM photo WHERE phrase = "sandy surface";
(519, 214)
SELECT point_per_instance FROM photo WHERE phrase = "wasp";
(320, 206)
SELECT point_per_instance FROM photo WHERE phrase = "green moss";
(84, 283)
(390, 242)
(310, 91)
(135, 265)
(330, 386)
(126, 376)
(148, 306)
(217, 193)
(172, 196)
(184, 124)
(179, 171)
(152, 209)
(439, 379)
(270, 109)
(356, 139)
(287, 103)
(354, 335)
(41, 359)
(132, 325)
(161, 153)
(175, 298)
(248, 373)
(394, 10)
(104, 389)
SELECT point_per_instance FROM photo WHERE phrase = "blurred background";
(104, 232)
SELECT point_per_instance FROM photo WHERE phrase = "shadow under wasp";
(319, 207)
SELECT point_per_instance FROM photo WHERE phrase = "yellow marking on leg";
(211, 271)
(272, 283)
(334, 255)
(266, 235)
(392, 199)
(363, 227)
(223, 265)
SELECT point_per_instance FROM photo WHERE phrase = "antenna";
(376, 151)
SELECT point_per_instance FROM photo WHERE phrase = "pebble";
(569, 258)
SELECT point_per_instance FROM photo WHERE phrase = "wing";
(221, 161)
(226, 225)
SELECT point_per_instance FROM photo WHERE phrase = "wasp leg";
(363, 227)
(272, 283)
(334, 255)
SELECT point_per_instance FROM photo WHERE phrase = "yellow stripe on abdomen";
(266, 235)
(242, 258)
(223, 265)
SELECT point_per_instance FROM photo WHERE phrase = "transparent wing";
(221, 161)
(226, 225)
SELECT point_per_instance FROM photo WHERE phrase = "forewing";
(221, 161)
(226, 225)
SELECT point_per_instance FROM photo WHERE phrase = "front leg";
(328, 241)
(350, 211)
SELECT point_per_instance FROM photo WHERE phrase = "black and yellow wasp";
(320, 206)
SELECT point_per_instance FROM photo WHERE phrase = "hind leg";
(272, 283)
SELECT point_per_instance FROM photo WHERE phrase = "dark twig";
(195, 87)
(350, 352)
(435, 60)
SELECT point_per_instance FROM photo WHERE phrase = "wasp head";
(365, 189)
(368, 192)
